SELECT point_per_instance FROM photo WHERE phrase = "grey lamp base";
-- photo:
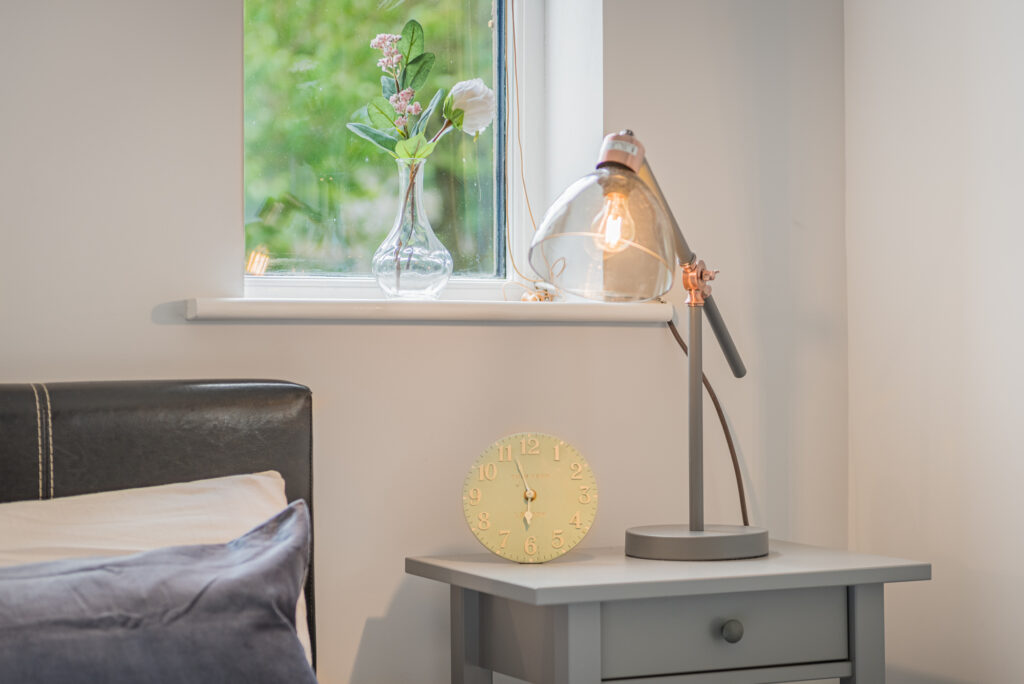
(678, 542)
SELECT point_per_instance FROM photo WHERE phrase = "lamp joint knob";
(696, 276)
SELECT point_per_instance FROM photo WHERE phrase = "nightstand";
(800, 613)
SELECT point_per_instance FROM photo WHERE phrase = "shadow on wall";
(416, 602)
(898, 675)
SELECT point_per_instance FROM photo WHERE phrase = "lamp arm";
(683, 251)
(732, 355)
(685, 255)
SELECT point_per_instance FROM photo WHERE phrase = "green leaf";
(361, 116)
(421, 123)
(452, 114)
(411, 44)
(425, 151)
(382, 114)
(457, 117)
(406, 149)
(415, 73)
(448, 107)
(379, 138)
(387, 86)
(415, 147)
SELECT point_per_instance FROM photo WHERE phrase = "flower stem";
(444, 129)
(408, 200)
(408, 194)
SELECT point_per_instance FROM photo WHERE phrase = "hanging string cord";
(725, 428)
(511, 23)
(519, 136)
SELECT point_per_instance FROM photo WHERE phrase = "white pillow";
(130, 521)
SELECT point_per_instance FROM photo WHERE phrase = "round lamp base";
(678, 542)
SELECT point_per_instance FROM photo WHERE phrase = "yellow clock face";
(530, 497)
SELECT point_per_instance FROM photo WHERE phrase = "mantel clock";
(530, 497)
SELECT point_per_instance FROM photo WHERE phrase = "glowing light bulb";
(614, 228)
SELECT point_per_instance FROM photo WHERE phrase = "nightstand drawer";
(685, 634)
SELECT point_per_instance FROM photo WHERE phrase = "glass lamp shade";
(608, 238)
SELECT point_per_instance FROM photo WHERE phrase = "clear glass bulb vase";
(411, 263)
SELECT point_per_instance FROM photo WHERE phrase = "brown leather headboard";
(62, 439)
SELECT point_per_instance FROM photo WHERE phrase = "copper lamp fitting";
(696, 277)
(622, 148)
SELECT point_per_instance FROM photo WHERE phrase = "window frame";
(477, 288)
(547, 114)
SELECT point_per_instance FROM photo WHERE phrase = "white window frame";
(531, 21)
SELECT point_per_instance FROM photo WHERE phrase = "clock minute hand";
(529, 494)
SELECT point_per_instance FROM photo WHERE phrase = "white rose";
(477, 102)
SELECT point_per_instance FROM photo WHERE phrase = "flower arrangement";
(398, 123)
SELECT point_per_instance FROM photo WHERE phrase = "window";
(319, 199)
(553, 132)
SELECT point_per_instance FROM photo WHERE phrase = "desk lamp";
(612, 237)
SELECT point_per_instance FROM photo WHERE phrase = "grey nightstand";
(799, 613)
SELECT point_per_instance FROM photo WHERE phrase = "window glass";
(319, 199)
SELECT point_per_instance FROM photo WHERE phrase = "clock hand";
(529, 494)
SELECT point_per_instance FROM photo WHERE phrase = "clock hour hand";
(529, 494)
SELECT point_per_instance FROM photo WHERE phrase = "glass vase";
(411, 263)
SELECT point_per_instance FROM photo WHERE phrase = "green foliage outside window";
(317, 196)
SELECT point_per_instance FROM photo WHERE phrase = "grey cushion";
(197, 614)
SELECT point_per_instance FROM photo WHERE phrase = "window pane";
(319, 198)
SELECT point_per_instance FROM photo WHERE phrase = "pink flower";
(384, 41)
(388, 63)
(414, 108)
(401, 121)
(400, 101)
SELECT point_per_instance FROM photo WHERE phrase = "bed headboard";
(62, 439)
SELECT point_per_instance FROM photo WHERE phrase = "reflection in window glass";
(318, 198)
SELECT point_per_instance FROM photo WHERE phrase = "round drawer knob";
(732, 631)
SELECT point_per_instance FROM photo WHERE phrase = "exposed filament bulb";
(614, 228)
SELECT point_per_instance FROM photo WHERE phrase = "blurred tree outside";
(317, 196)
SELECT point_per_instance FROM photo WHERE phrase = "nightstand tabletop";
(609, 575)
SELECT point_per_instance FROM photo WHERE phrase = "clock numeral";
(530, 545)
(483, 520)
(504, 537)
(529, 446)
(475, 496)
(504, 452)
(488, 471)
(575, 520)
(577, 471)
(557, 541)
(557, 455)
(584, 495)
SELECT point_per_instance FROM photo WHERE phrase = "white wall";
(120, 174)
(935, 151)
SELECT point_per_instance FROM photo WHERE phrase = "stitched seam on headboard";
(49, 432)
(39, 439)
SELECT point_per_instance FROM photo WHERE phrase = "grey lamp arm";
(683, 252)
(685, 255)
(717, 323)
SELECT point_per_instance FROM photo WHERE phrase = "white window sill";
(252, 309)
(465, 300)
